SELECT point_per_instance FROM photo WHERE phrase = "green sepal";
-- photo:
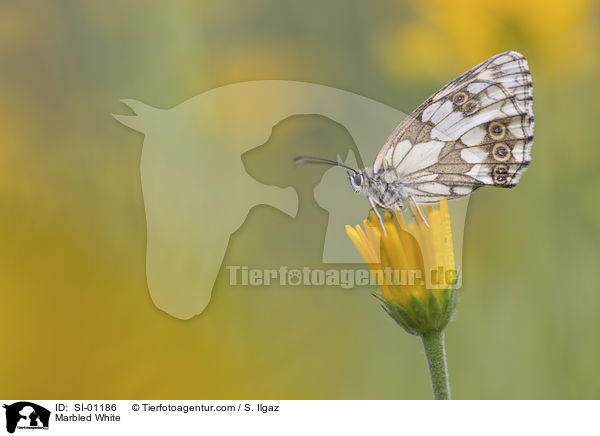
(420, 317)
(434, 307)
(398, 314)
(402, 317)
(419, 310)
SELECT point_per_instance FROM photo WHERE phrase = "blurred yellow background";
(77, 318)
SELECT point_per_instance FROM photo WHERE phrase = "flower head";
(413, 266)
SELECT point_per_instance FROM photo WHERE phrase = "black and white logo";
(26, 415)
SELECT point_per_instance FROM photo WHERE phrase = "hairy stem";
(436, 360)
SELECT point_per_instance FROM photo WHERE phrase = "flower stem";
(436, 359)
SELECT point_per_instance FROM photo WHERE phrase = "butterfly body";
(388, 194)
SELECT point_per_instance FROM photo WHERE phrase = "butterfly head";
(356, 179)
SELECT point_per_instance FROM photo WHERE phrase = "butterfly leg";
(419, 211)
(378, 215)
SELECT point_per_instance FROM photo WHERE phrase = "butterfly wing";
(477, 130)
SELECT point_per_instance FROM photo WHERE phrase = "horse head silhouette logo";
(27, 415)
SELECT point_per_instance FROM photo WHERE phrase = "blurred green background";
(77, 318)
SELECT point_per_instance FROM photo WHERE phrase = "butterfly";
(475, 131)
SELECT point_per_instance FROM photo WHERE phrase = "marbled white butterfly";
(475, 131)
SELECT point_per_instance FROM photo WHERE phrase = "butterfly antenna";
(306, 159)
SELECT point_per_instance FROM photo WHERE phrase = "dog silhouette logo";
(26, 415)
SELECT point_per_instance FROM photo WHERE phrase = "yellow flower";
(413, 266)
(443, 37)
